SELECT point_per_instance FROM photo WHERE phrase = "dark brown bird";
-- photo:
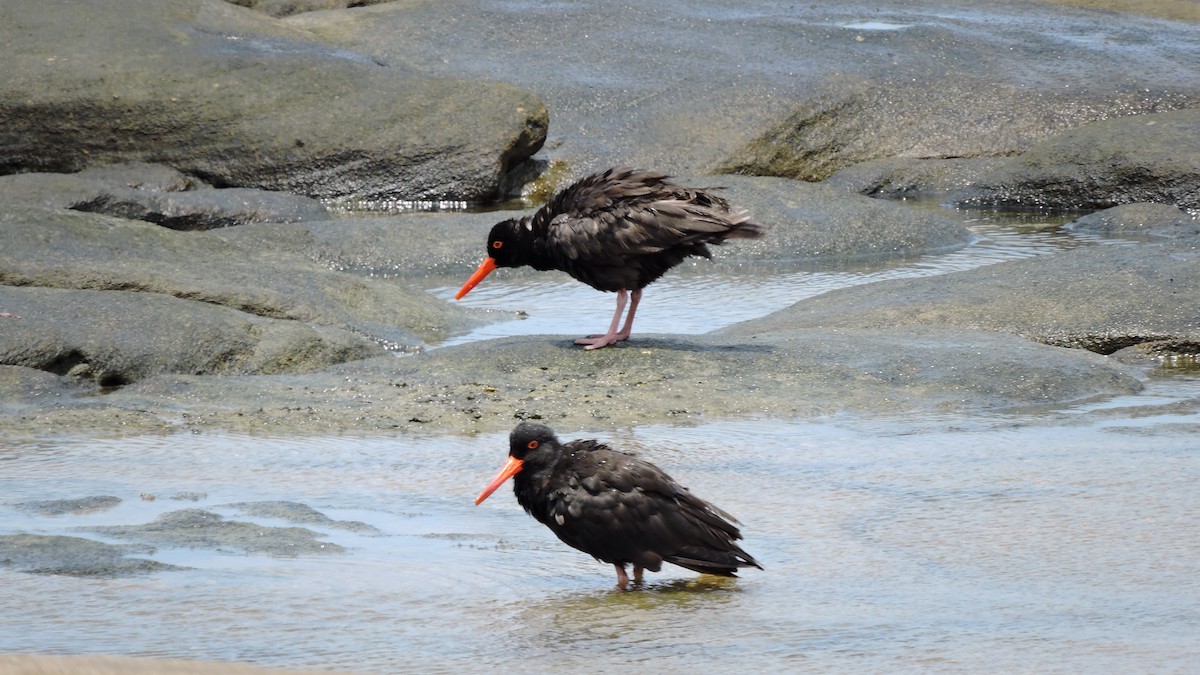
(618, 230)
(617, 508)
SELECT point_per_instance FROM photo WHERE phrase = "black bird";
(616, 507)
(618, 230)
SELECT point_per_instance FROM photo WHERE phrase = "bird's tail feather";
(746, 230)
(719, 563)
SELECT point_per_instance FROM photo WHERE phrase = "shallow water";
(995, 543)
(1064, 541)
(704, 295)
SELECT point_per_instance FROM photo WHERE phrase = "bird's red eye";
(497, 244)
(532, 444)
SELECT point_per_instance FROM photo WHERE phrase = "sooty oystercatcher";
(618, 230)
(618, 508)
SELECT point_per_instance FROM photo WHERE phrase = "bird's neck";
(534, 480)
(531, 233)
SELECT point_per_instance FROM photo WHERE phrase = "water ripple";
(886, 546)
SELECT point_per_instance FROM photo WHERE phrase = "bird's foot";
(601, 341)
(623, 581)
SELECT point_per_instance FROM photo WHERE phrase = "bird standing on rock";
(618, 230)
(616, 507)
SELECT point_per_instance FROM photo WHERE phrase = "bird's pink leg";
(637, 575)
(634, 299)
(598, 341)
(622, 579)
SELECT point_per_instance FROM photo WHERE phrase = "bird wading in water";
(618, 230)
(616, 507)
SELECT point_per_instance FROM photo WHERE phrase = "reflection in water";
(1062, 541)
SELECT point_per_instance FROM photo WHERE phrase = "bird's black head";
(530, 439)
(529, 444)
(510, 242)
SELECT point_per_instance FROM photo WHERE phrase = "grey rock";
(294, 512)
(73, 556)
(945, 88)
(136, 176)
(407, 244)
(188, 496)
(810, 221)
(901, 177)
(67, 249)
(65, 190)
(1139, 221)
(196, 528)
(112, 338)
(22, 388)
(1147, 158)
(788, 89)
(968, 84)
(239, 99)
(806, 221)
(486, 386)
(157, 194)
(205, 209)
(289, 7)
(1099, 298)
(81, 505)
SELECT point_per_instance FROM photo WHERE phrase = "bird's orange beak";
(485, 268)
(510, 469)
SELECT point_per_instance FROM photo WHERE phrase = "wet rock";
(1138, 221)
(487, 386)
(289, 7)
(159, 195)
(1177, 10)
(1171, 355)
(65, 190)
(1147, 158)
(796, 90)
(1099, 298)
(815, 87)
(73, 556)
(900, 177)
(196, 528)
(112, 338)
(59, 507)
(806, 221)
(293, 512)
(67, 249)
(188, 496)
(24, 388)
(239, 99)
(205, 209)
(940, 88)
(407, 244)
(814, 221)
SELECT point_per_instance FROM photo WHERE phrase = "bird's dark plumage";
(616, 507)
(618, 230)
